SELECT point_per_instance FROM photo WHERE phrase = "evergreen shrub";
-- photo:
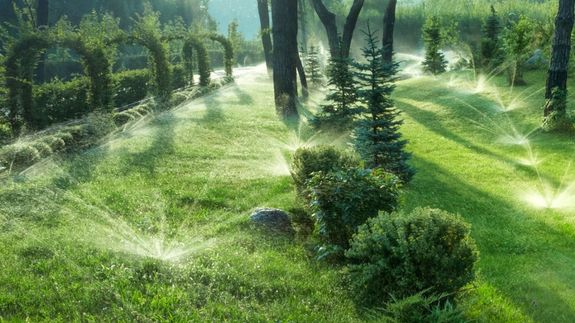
(404, 254)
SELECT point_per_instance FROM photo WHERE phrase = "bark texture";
(388, 29)
(329, 21)
(263, 10)
(285, 54)
(557, 76)
(302, 76)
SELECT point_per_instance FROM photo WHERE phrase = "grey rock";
(273, 219)
(536, 60)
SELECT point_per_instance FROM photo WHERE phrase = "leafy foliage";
(130, 86)
(434, 62)
(147, 33)
(193, 43)
(89, 40)
(341, 201)
(517, 42)
(57, 101)
(326, 159)
(229, 59)
(377, 137)
(422, 308)
(404, 254)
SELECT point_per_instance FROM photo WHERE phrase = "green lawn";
(153, 224)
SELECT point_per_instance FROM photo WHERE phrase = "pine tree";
(377, 137)
(434, 62)
(313, 67)
(338, 115)
(491, 52)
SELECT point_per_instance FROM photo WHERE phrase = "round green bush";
(122, 118)
(404, 254)
(67, 137)
(342, 201)
(55, 143)
(43, 148)
(307, 161)
(19, 155)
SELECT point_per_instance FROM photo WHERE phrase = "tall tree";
(303, 30)
(265, 32)
(42, 13)
(329, 20)
(302, 76)
(388, 29)
(556, 89)
(285, 55)
(42, 16)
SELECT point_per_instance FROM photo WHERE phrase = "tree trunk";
(388, 29)
(303, 25)
(42, 16)
(328, 19)
(284, 17)
(263, 9)
(557, 76)
(302, 76)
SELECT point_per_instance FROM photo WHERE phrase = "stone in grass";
(273, 219)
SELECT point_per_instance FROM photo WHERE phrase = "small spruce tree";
(377, 137)
(342, 107)
(491, 52)
(434, 62)
(313, 67)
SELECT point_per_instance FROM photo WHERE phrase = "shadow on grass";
(507, 234)
(147, 161)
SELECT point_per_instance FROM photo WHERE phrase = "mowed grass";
(154, 223)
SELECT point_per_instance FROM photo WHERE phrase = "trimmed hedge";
(130, 86)
(57, 101)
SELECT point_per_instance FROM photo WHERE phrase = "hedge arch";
(23, 56)
(159, 56)
(191, 44)
(228, 52)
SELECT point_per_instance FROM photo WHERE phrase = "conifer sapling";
(377, 137)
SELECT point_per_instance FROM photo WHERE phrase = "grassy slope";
(527, 263)
(193, 174)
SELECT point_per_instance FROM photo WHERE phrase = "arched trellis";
(191, 44)
(160, 65)
(228, 52)
(23, 57)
